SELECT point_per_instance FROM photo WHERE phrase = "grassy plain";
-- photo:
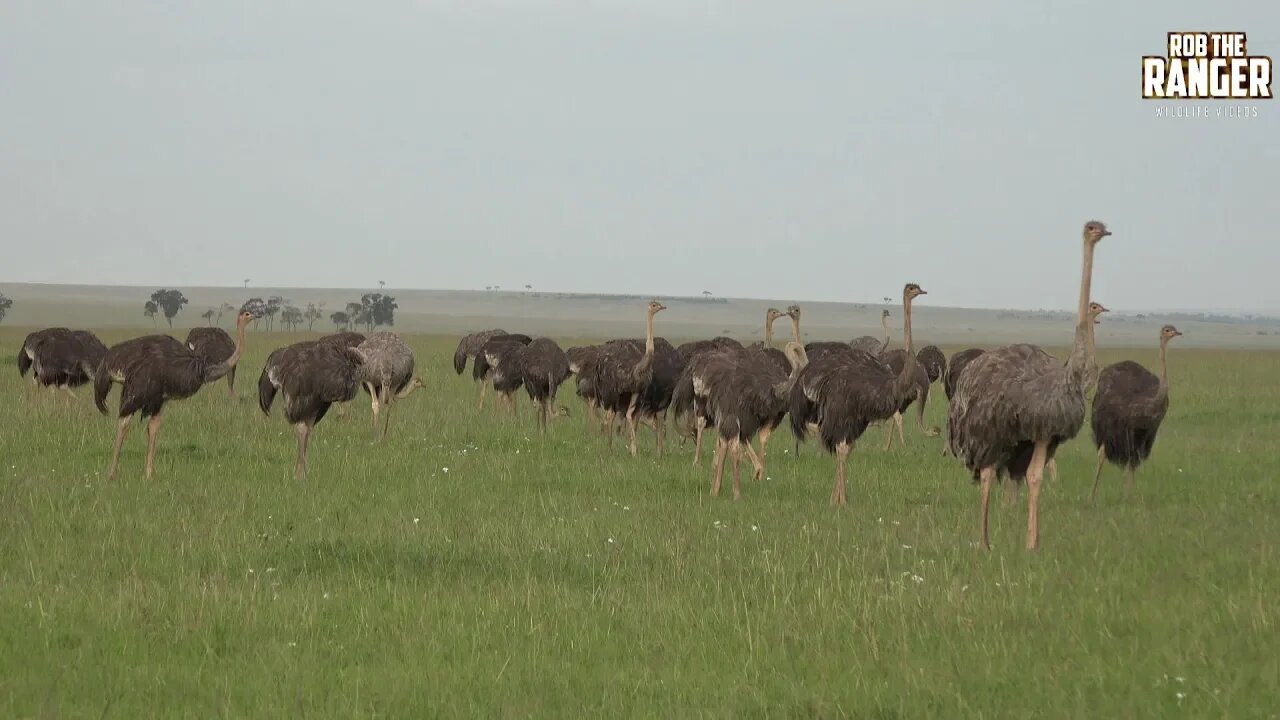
(468, 567)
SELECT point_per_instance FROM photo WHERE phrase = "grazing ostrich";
(871, 345)
(468, 348)
(484, 370)
(388, 374)
(745, 392)
(543, 367)
(269, 370)
(27, 353)
(311, 375)
(67, 360)
(1127, 411)
(152, 370)
(621, 375)
(844, 392)
(213, 345)
(481, 369)
(1015, 405)
(934, 362)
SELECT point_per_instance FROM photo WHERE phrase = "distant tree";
(376, 309)
(341, 320)
(246, 282)
(291, 317)
(488, 287)
(208, 316)
(706, 293)
(149, 308)
(528, 287)
(170, 302)
(887, 299)
(313, 314)
(256, 306)
(224, 308)
(5, 304)
(274, 303)
(382, 284)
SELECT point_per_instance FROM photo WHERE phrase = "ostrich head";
(244, 318)
(1096, 309)
(1095, 230)
(793, 311)
(561, 411)
(909, 292)
(656, 307)
(1168, 332)
(884, 314)
(773, 314)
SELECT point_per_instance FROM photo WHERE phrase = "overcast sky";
(808, 151)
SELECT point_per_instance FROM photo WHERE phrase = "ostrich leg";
(387, 402)
(888, 432)
(1010, 492)
(897, 421)
(153, 431)
(842, 456)
(304, 433)
(699, 426)
(757, 461)
(631, 425)
(482, 392)
(717, 465)
(926, 431)
(1034, 472)
(122, 429)
(988, 476)
(1097, 474)
(231, 382)
(609, 417)
(375, 402)
(1052, 467)
(764, 434)
(735, 447)
(660, 429)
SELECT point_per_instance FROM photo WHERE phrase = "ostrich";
(745, 392)
(844, 392)
(311, 375)
(621, 375)
(904, 360)
(480, 368)
(339, 339)
(388, 374)
(543, 367)
(1013, 406)
(580, 366)
(934, 362)
(152, 370)
(688, 350)
(213, 345)
(483, 369)
(27, 353)
(871, 345)
(470, 345)
(67, 360)
(654, 402)
(950, 377)
(1127, 411)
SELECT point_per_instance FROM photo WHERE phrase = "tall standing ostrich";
(543, 367)
(213, 345)
(27, 353)
(67, 360)
(1014, 406)
(153, 370)
(485, 369)
(622, 374)
(904, 360)
(1127, 411)
(311, 375)
(388, 374)
(746, 392)
(842, 393)
(871, 345)
(481, 369)
(653, 404)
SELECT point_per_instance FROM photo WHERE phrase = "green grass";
(552, 578)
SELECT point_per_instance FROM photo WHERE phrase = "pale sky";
(806, 150)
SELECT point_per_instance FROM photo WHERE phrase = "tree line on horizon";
(372, 311)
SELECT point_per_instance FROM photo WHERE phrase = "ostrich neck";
(213, 372)
(782, 390)
(903, 381)
(795, 329)
(1082, 348)
(884, 323)
(1164, 367)
(648, 337)
(768, 331)
(407, 391)
(1086, 282)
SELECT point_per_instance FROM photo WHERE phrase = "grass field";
(468, 567)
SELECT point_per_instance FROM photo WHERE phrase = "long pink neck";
(1082, 349)
(768, 330)
(795, 328)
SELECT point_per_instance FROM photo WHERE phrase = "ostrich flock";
(1009, 408)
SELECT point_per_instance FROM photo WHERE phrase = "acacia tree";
(256, 306)
(291, 317)
(341, 320)
(274, 303)
(208, 316)
(225, 307)
(313, 314)
(169, 302)
(376, 309)
(5, 304)
(149, 308)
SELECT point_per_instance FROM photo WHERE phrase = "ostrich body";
(388, 374)
(67, 360)
(214, 345)
(654, 402)
(153, 370)
(1013, 406)
(745, 392)
(483, 369)
(696, 347)
(958, 363)
(1128, 408)
(934, 362)
(622, 374)
(581, 366)
(543, 367)
(27, 353)
(310, 376)
(468, 348)
(900, 360)
(340, 339)
(871, 345)
(845, 392)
